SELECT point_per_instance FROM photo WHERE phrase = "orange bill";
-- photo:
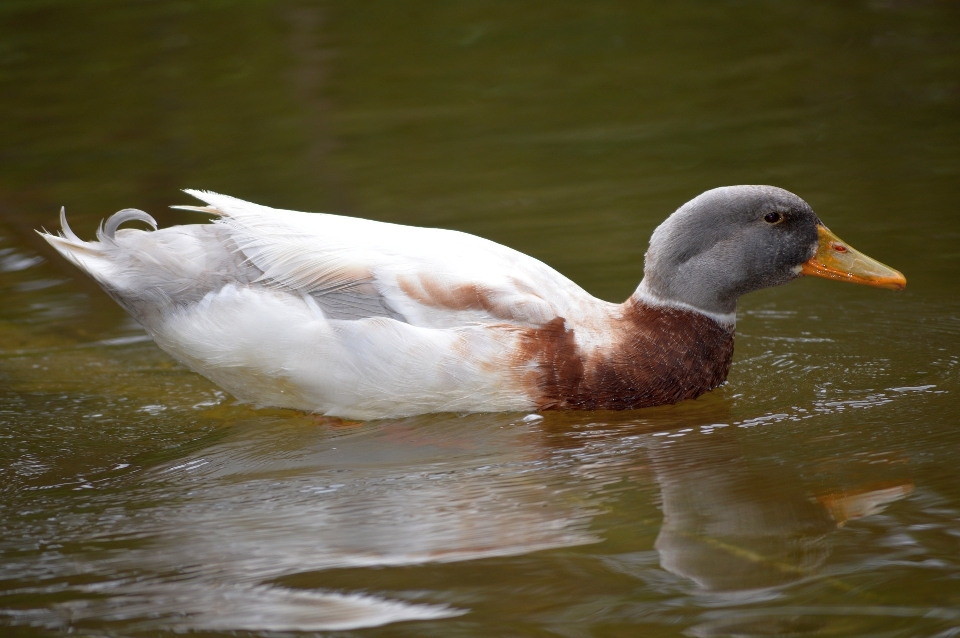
(835, 259)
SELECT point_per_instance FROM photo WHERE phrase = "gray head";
(727, 242)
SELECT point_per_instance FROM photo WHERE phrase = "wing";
(354, 268)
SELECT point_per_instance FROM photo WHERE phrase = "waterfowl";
(359, 319)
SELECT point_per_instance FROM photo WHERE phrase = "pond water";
(816, 493)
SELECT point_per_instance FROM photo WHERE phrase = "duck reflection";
(234, 522)
(730, 525)
(726, 525)
(730, 522)
(249, 533)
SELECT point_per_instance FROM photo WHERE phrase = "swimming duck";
(360, 319)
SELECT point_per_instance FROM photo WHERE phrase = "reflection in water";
(253, 510)
(218, 606)
(725, 526)
(237, 519)
(728, 526)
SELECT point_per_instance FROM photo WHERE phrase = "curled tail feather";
(108, 231)
(84, 254)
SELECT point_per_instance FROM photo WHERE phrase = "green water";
(817, 493)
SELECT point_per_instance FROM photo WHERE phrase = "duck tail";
(94, 258)
(225, 205)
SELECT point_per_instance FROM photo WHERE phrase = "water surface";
(817, 493)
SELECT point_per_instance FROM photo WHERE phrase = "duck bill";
(835, 259)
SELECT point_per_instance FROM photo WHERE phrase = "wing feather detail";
(356, 268)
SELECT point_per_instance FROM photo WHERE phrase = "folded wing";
(354, 268)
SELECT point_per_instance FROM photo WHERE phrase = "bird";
(358, 319)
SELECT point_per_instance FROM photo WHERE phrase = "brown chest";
(655, 356)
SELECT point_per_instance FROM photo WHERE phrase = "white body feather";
(341, 316)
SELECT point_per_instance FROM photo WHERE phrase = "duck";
(357, 319)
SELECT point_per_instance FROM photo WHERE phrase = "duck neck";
(646, 294)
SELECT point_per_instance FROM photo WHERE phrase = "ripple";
(12, 260)
(152, 606)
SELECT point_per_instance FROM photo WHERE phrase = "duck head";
(736, 239)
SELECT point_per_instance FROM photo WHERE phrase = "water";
(816, 493)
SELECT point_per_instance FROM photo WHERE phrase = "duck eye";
(772, 218)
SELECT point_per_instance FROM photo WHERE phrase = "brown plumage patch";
(431, 292)
(656, 356)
